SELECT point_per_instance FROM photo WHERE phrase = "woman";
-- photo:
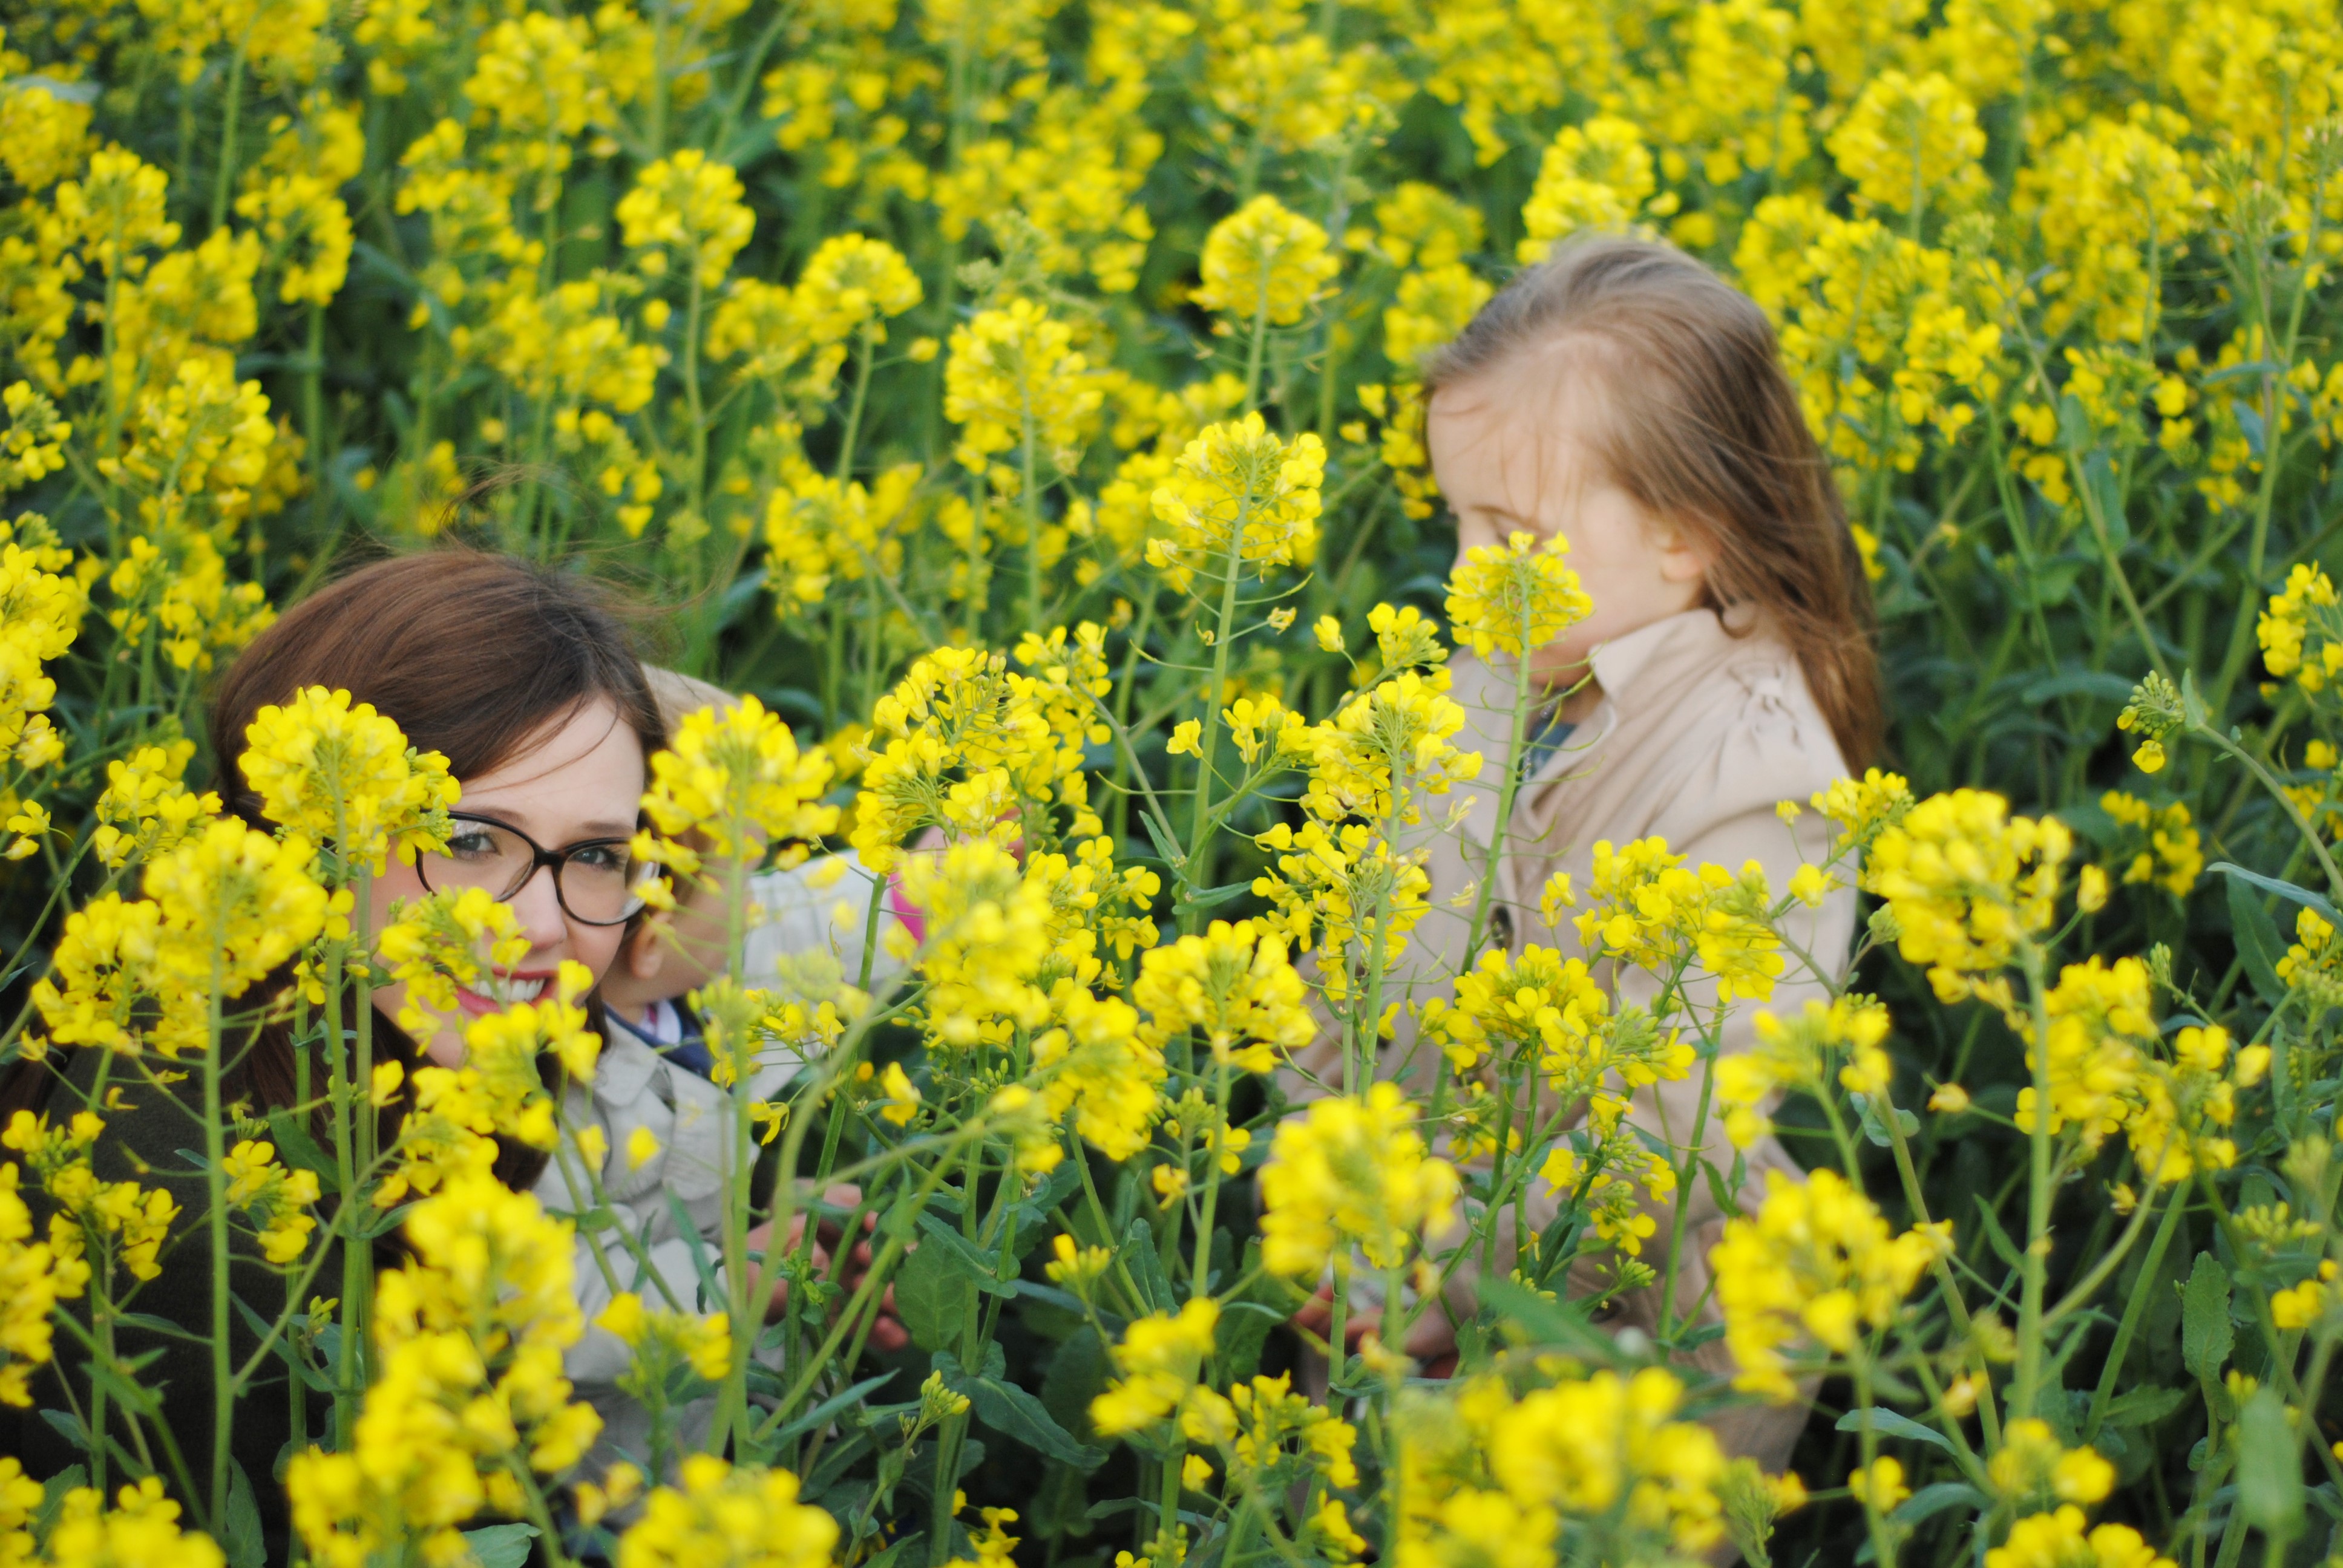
(526, 680)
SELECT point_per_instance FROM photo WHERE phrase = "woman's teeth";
(510, 988)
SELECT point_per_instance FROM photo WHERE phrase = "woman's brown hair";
(1700, 424)
(471, 654)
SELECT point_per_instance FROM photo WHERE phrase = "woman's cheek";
(397, 884)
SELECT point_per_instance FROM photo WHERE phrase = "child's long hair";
(1701, 425)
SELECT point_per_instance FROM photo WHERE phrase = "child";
(1621, 395)
(653, 1073)
(810, 918)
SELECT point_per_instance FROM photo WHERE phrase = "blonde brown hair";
(1701, 425)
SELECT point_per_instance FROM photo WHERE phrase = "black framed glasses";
(598, 881)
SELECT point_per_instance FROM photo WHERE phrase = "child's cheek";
(597, 947)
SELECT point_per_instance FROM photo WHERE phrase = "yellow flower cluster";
(118, 1224)
(734, 780)
(1238, 496)
(1263, 263)
(33, 1278)
(1232, 986)
(741, 1517)
(2173, 857)
(1515, 596)
(344, 776)
(1351, 1171)
(2301, 632)
(470, 1397)
(1799, 1053)
(1598, 1468)
(1817, 1260)
(1157, 1365)
(1646, 908)
(276, 1199)
(1967, 883)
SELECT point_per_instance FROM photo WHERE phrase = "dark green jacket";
(145, 1144)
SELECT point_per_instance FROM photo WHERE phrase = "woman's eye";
(600, 858)
(471, 844)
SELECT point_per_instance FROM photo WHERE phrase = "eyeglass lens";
(596, 883)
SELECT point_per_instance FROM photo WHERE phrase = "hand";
(1430, 1338)
(886, 1334)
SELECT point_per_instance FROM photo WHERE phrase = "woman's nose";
(537, 904)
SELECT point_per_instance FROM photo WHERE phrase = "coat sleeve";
(814, 917)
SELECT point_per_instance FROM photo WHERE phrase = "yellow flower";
(1881, 1486)
(1596, 177)
(2301, 632)
(346, 777)
(142, 1527)
(1644, 906)
(33, 1278)
(691, 204)
(1816, 1260)
(2033, 1465)
(277, 1200)
(1013, 383)
(1904, 142)
(1231, 985)
(1238, 489)
(1352, 1171)
(1263, 263)
(736, 777)
(1516, 597)
(723, 1517)
(2057, 1541)
(1967, 883)
(1157, 1365)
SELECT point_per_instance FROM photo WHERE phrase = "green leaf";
(2102, 684)
(1995, 1237)
(1146, 1267)
(2206, 1335)
(820, 1414)
(2294, 893)
(934, 1297)
(1888, 1423)
(241, 1539)
(1876, 1129)
(2259, 946)
(1931, 1501)
(2269, 1466)
(299, 1150)
(1565, 1324)
(500, 1545)
(2144, 1406)
(53, 1496)
(1013, 1412)
(978, 1266)
(1211, 898)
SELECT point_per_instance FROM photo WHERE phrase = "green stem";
(216, 1197)
(2022, 1397)
(230, 113)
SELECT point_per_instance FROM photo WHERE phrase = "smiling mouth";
(503, 990)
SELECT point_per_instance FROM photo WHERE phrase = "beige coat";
(635, 1088)
(1699, 733)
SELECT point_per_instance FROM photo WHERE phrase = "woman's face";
(578, 779)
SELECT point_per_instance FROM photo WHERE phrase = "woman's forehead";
(579, 776)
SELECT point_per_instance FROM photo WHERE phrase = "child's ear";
(647, 953)
(1686, 553)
